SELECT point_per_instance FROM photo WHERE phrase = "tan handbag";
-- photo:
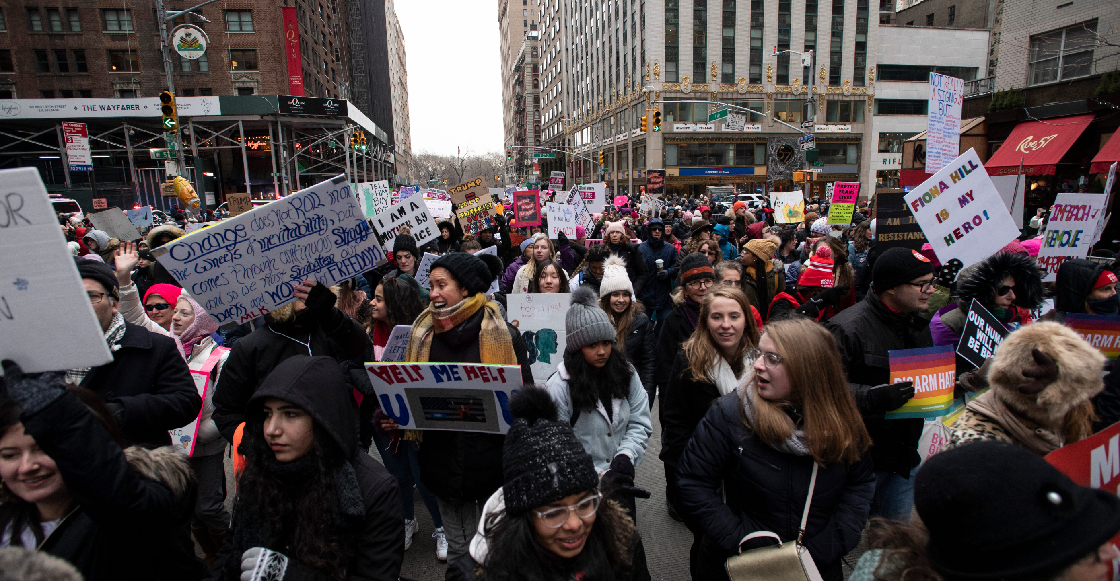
(782, 562)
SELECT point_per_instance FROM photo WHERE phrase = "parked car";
(68, 207)
(752, 200)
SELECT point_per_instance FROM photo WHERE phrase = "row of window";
(741, 154)
(121, 93)
(120, 61)
(112, 20)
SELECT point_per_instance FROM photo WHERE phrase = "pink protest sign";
(844, 195)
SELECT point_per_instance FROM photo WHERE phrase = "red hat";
(819, 271)
(1107, 277)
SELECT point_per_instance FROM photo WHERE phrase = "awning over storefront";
(1108, 155)
(1039, 145)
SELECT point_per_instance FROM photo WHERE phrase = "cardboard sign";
(476, 215)
(1100, 331)
(961, 212)
(561, 218)
(413, 213)
(100, 203)
(844, 196)
(423, 271)
(583, 215)
(526, 208)
(895, 224)
(934, 373)
(46, 318)
(540, 318)
(246, 267)
(440, 209)
(396, 346)
(239, 203)
(1092, 462)
(594, 196)
(981, 335)
(116, 224)
(140, 217)
(446, 396)
(375, 197)
(1069, 233)
(943, 132)
(789, 207)
(468, 191)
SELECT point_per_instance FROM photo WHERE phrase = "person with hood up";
(99, 243)
(659, 280)
(616, 240)
(761, 282)
(75, 489)
(310, 504)
(816, 296)
(592, 271)
(159, 236)
(462, 469)
(722, 232)
(1084, 286)
(1008, 285)
(634, 332)
(450, 236)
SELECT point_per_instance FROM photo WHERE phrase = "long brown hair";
(621, 322)
(700, 348)
(834, 430)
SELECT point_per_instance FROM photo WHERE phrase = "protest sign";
(246, 267)
(655, 182)
(1100, 331)
(844, 196)
(406, 192)
(556, 181)
(594, 196)
(468, 191)
(583, 215)
(943, 133)
(194, 226)
(526, 208)
(424, 270)
(1069, 233)
(493, 251)
(789, 207)
(476, 215)
(540, 318)
(446, 396)
(1092, 462)
(561, 218)
(935, 436)
(43, 303)
(981, 334)
(375, 197)
(621, 201)
(395, 347)
(961, 213)
(185, 439)
(238, 203)
(140, 217)
(440, 209)
(1012, 199)
(1108, 204)
(437, 195)
(933, 371)
(413, 213)
(115, 223)
(895, 224)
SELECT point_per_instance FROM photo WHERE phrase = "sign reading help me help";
(961, 212)
(248, 266)
(1069, 234)
(446, 396)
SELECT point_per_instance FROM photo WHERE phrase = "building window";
(124, 61)
(126, 93)
(239, 20)
(34, 20)
(810, 35)
(844, 111)
(1062, 54)
(5, 94)
(6, 64)
(887, 178)
(929, 19)
(243, 59)
(672, 40)
(952, 14)
(73, 19)
(727, 73)
(886, 5)
(859, 58)
(184, 65)
(785, 23)
(790, 110)
(60, 60)
(46, 94)
(836, 49)
(205, 91)
(85, 93)
(699, 41)
(116, 21)
(758, 12)
(3, 22)
(80, 65)
(838, 153)
(892, 142)
(188, 92)
(920, 73)
(244, 91)
(54, 19)
(901, 107)
(203, 64)
(66, 94)
(42, 61)
(884, 19)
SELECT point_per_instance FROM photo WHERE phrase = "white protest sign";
(1069, 234)
(540, 318)
(446, 396)
(789, 207)
(46, 319)
(561, 218)
(396, 346)
(115, 223)
(556, 181)
(961, 212)
(493, 251)
(423, 272)
(440, 209)
(1006, 187)
(411, 212)
(943, 133)
(375, 197)
(247, 266)
(583, 216)
(140, 217)
(437, 195)
(1108, 204)
(594, 196)
(194, 227)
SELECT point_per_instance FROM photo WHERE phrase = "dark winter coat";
(1075, 281)
(635, 266)
(865, 333)
(655, 292)
(763, 287)
(506, 283)
(765, 490)
(464, 466)
(674, 331)
(640, 344)
(133, 508)
(684, 401)
(151, 382)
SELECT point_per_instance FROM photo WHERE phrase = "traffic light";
(170, 114)
(645, 123)
(657, 120)
(358, 141)
(509, 156)
(600, 157)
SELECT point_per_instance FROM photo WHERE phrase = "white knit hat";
(615, 277)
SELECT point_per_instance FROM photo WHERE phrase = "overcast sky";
(454, 74)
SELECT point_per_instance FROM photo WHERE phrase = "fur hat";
(586, 322)
(819, 271)
(615, 277)
(474, 272)
(985, 278)
(165, 231)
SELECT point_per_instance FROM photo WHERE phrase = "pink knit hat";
(614, 227)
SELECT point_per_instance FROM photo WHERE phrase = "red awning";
(1039, 144)
(1108, 155)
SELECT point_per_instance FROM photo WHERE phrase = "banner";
(140, 217)
(655, 182)
(78, 153)
(375, 197)
(116, 224)
(844, 196)
(1100, 331)
(933, 371)
(540, 318)
(1092, 462)
(556, 181)
(895, 224)
(561, 218)
(291, 48)
(961, 212)
(583, 216)
(594, 196)
(789, 207)
(1069, 233)
(412, 213)
(526, 208)
(446, 396)
(476, 215)
(943, 133)
(981, 334)
(395, 347)
(245, 267)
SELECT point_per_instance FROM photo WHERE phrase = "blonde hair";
(700, 349)
(531, 264)
(621, 322)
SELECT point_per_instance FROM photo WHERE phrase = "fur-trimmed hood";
(173, 230)
(983, 280)
(162, 465)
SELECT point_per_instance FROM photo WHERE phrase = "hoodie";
(1075, 281)
(729, 251)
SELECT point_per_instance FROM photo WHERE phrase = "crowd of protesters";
(763, 348)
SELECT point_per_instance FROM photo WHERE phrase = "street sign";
(544, 155)
(807, 142)
(162, 153)
(818, 164)
(806, 124)
(722, 113)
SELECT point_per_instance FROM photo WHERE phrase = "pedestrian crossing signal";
(170, 114)
(657, 120)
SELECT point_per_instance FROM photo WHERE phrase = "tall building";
(398, 79)
(975, 14)
(515, 19)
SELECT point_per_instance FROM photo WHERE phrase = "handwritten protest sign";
(961, 212)
(43, 303)
(446, 396)
(440, 209)
(933, 371)
(247, 266)
(437, 195)
(526, 208)
(239, 203)
(789, 207)
(375, 197)
(406, 192)
(895, 224)
(115, 223)
(540, 318)
(844, 196)
(943, 133)
(476, 215)
(1101, 331)
(583, 215)
(395, 347)
(981, 334)
(413, 213)
(140, 217)
(1092, 462)
(561, 218)
(424, 270)
(1069, 234)
(468, 191)
(594, 196)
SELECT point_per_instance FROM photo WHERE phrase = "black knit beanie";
(473, 272)
(406, 243)
(542, 460)
(98, 271)
(898, 266)
(695, 266)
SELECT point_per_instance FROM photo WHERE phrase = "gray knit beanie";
(585, 322)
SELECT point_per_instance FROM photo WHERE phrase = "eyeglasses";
(555, 517)
(159, 307)
(1003, 290)
(702, 283)
(922, 286)
(770, 360)
(96, 298)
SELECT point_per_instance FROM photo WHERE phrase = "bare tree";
(456, 169)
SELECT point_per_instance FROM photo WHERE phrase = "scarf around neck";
(495, 345)
(691, 310)
(1026, 432)
(724, 377)
(113, 338)
(795, 444)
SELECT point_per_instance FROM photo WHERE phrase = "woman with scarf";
(158, 306)
(789, 431)
(462, 469)
(634, 332)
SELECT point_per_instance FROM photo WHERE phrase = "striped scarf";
(112, 337)
(494, 342)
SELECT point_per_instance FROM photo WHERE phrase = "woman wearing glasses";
(761, 450)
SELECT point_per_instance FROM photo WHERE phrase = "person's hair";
(786, 236)
(700, 349)
(711, 243)
(469, 245)
(842, 273)
(860, 234)
(834, 430)
(595, 253)
(586, 381)
(621, 322)
(352, 301)
(531, 264)
(535, 282)
(514, 555)
(301, 514)
(728, 265)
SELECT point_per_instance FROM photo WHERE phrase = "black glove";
(33, 391)
(890, 396)
(831, 297)
(662, 274)
(500, 220)
(975, 380)
(1040, 375)
(320, 301)
(622, 464)
(561, 240)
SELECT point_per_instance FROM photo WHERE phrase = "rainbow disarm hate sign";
(934, 373)
(1101, 331)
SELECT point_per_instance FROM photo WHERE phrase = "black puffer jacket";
(465, 466)
(865, 333)
(684, 401)
(765, 490)
(640, 344)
